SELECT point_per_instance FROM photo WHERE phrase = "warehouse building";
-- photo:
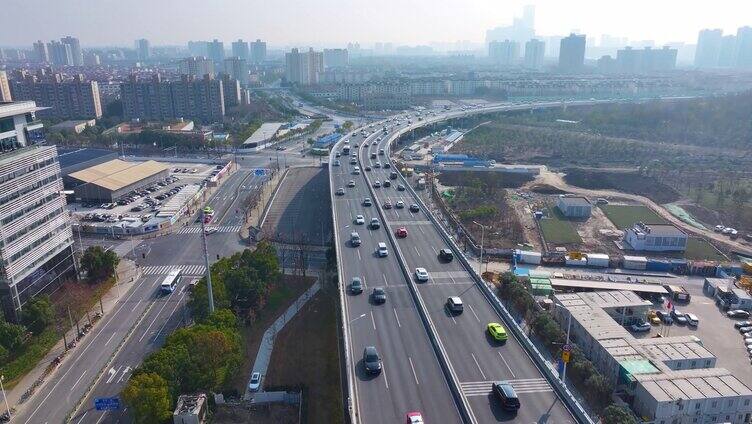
(109, 181)
(668, 379)
(656, 238)
(574, 207)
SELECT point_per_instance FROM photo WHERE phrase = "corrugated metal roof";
(116, 174)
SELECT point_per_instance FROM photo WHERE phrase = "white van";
(382, 250)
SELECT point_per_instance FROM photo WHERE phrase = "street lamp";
(482, 236)
(569, 327)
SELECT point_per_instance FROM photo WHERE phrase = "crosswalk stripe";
(220, 229)
(521, 386)
(165, 269)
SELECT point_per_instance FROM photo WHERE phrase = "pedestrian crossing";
(165, 269)
(521, 386)
(220, 229)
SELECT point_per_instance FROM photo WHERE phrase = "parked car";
(255, 383)
(640, 327)
(741, 324)
(737, 313)
(679, 317)
(665, 317)
(692, 320)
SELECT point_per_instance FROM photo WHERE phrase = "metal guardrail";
(572, 404)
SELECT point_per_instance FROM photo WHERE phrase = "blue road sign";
(107, 404)
(259, 172)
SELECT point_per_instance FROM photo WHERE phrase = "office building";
(335, 58)
(708, 48)
(535, 51)
(5, 95)
(572, 53)
(744, 47)
(258, 51)
(143, 49)
(76, 52)
(60, 53)
(655, 238)
(230, 91)
(727, 54)
(574, 207)
(73, 98)
(197, 66)
(237, 68)
(504, 53)
(198, 48)
(35, 231)
(40, 52)
(670, 379)
(191, 98)
(303, 68)
(240, 50)
(215, 51)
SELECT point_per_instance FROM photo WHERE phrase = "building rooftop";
(265, 132)
(18, 108)
(72, 157)
(693, 384)
(116, 174)
(574, 201)
(659, 229)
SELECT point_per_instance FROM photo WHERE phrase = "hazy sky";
(336, 22)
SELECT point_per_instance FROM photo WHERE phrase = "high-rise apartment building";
(198, 48)
(258, 51)
(240, 50)
(572, 53)
(73, 98)
(727, 53)
(504, 52)
(143, 49)
(230, 91)
(215, 51)
(60, 53)
(335, 58)
(237, 68)
(535, 51)
(192, 98)
(303, 68)
(5, 95)
(197, 66)
(77, 54)
(744, 47)
(708, 48)
(35, 233)
(647, 60)
(40, 52)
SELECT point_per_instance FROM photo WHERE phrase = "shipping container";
(635, 262)
(570, 261)
(528, 257)
(600, 260)
(677, 293)
(662, 265)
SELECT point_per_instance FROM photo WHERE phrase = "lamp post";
(569, 327)
(206, 261)
(482, 237)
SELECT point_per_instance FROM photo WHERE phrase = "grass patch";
(29, 355)
(700, 249)
(306, 355)
(624, 216)
(557, 230)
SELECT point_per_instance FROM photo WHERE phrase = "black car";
(378, 295)
(368, 168)
(414, 208)
(371, 360)
(387, 166)
(446, 255)
(506, 394)
(387, 183)
(393, 176)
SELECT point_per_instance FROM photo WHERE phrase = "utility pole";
(2, 388)
(482, 236)
(569, 327)
(206, 262)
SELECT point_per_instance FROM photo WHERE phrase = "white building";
(35, 231)
(656, 238)
(304, 68)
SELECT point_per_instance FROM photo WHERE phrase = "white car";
(421, 274)
(210, 230)
(400, 204)
(351, 184)
(359, 220)
(255, 383)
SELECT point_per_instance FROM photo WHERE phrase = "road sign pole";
(568, 347)
(206, 261)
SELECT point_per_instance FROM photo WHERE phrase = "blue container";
(660, 265)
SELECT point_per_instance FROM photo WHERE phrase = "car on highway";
(377, 184)
(665, 317)
(353, 161)
(387, 183)
(446, 255)
(377, 165)
(401, 232)
(210, 230)
(255, 382)
(414, 208)
(356, 285)
(371, 360)
(367, 201)
(497, 331)
(640, 327)
(368, 168)
(387, 205)
(378, 295)
(355, 239)
(374, 143)
(337, 162)
(454, 305)
(360, 220)
(400, 187)
(381, 250)
(400, 204)
(337, 154)
(414, 418)
(381, 152)
(506, 394)
(393, 175)
(679, 317)
(387, 166)
(351, 183)
(421, 274)
(340, 191)
(738, 314)
(373, 155)
(375, 224)
(356, 170)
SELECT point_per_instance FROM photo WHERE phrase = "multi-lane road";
(412, 379)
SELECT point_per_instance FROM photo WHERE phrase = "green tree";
(11, 335)
(199, 301)
(4, 355)
(38, 314)
(99, 264)
(148, 397)
(614, 414)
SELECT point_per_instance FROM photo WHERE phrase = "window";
(730, 402)
(746, 402)
(713, 405)
(694, 364)
(697, 405)
(707, 363)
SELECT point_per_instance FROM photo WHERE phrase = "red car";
(414, 418)
(402, 232)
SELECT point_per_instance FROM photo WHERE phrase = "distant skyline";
(336, 22)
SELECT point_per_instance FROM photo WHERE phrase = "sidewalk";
(267, 191)
(261, 364)
(127, 274)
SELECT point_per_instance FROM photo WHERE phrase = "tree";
(99, 264)
(148, 396)
(38, 314)
(614, 414)
(11, 335)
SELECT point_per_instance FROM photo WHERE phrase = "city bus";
(170, 282)
(208, 214)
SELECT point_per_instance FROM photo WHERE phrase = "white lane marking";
(359, 258)
(478, 365)
(125, 371)
(101, 417)
(156, 336)
(385, 283)
(452, 316)
(78, 381)
(505, 363)
(157, 316)
(373, 322)
(108, 340)
(416, 250)
(113, 372)
(82, 418)
(397, 318)
(383, 372)
(473, 311)
(413, 368)
(420, 227)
